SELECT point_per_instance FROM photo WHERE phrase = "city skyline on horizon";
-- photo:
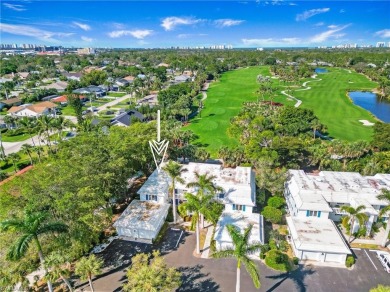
(164, 24)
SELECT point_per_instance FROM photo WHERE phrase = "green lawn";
(327, 98)
(224, 101)
(17, 138)
(116, 94)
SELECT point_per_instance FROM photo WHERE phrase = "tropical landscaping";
(55, 213)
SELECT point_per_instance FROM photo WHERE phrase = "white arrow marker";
(158, 147)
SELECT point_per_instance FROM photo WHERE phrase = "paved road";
(13, 147)
(114, 102)
(220, 275)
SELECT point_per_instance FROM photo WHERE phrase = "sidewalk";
(207, 242)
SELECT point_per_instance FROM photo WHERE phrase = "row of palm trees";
(199, 206)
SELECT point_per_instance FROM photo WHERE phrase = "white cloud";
(15, 7)
(118, 25)
(271, 42)
(188, 35)
(385, 33)
(310, 13)
(83, 26)
(138, 34)
(319, 24)
(87, 39)
(331, 33)
(169, 23)
(342, 11)
(30, 31)
(227, 22)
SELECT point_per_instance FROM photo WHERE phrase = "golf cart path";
(304, 84)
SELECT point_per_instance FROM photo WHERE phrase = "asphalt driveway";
(220, 275)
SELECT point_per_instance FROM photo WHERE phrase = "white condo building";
(142, 220)
(314, 201)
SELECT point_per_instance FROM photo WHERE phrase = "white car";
(384, 258)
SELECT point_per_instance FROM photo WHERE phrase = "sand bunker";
(366, 123)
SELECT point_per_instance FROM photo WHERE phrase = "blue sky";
(151, 24)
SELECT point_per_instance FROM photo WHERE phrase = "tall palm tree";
(87, 267)
(2, 151)
(46, 124)
(198, 206)
(174, 170)
(385, 196)
(30, 228)
(240, 250)
(59, 267)
(14, 157)
(28, 124)
(353, 215)
(28, 149)
(204, 185)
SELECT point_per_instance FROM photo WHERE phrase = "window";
(151, 198)
(238, 207)
(313, 213)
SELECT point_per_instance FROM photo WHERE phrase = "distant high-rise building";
(86, 51)
(380, 44)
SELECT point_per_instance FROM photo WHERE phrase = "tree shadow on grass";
(194, 280)
(298, 277)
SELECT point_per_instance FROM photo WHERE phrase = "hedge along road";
(327, 98)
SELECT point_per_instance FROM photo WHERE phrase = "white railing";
(338, 211)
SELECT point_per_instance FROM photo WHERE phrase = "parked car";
(384, 258)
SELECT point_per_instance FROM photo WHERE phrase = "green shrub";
(349, 261)
(295, 260)
(283, 246)
(277, 260)
(14, 132)
(272, 214)
(272, 244)
(170, 215)
(161, 234)
(276, 202)
(263, 250)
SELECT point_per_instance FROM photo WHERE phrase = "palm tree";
(204, 184)
(14, 157)
(197, 205)
(28, 124)
(87, 267)
(174, 170)
(27, 149)
(59, 267)
(353, 215)
(385, 196)
(30, 228)
(240, 250)
(46, 124)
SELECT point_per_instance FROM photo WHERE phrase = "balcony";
(338, 211)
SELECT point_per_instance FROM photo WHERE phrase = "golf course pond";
(320, 70)
(371, 102)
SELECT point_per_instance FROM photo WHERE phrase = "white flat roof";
(238, 183)
(340, 187)
(240, 220)
(316, 234)
(156, 184)
(144, 215)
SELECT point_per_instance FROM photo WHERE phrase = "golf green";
(327, 98)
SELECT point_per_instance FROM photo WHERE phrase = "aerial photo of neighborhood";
(203, 146)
